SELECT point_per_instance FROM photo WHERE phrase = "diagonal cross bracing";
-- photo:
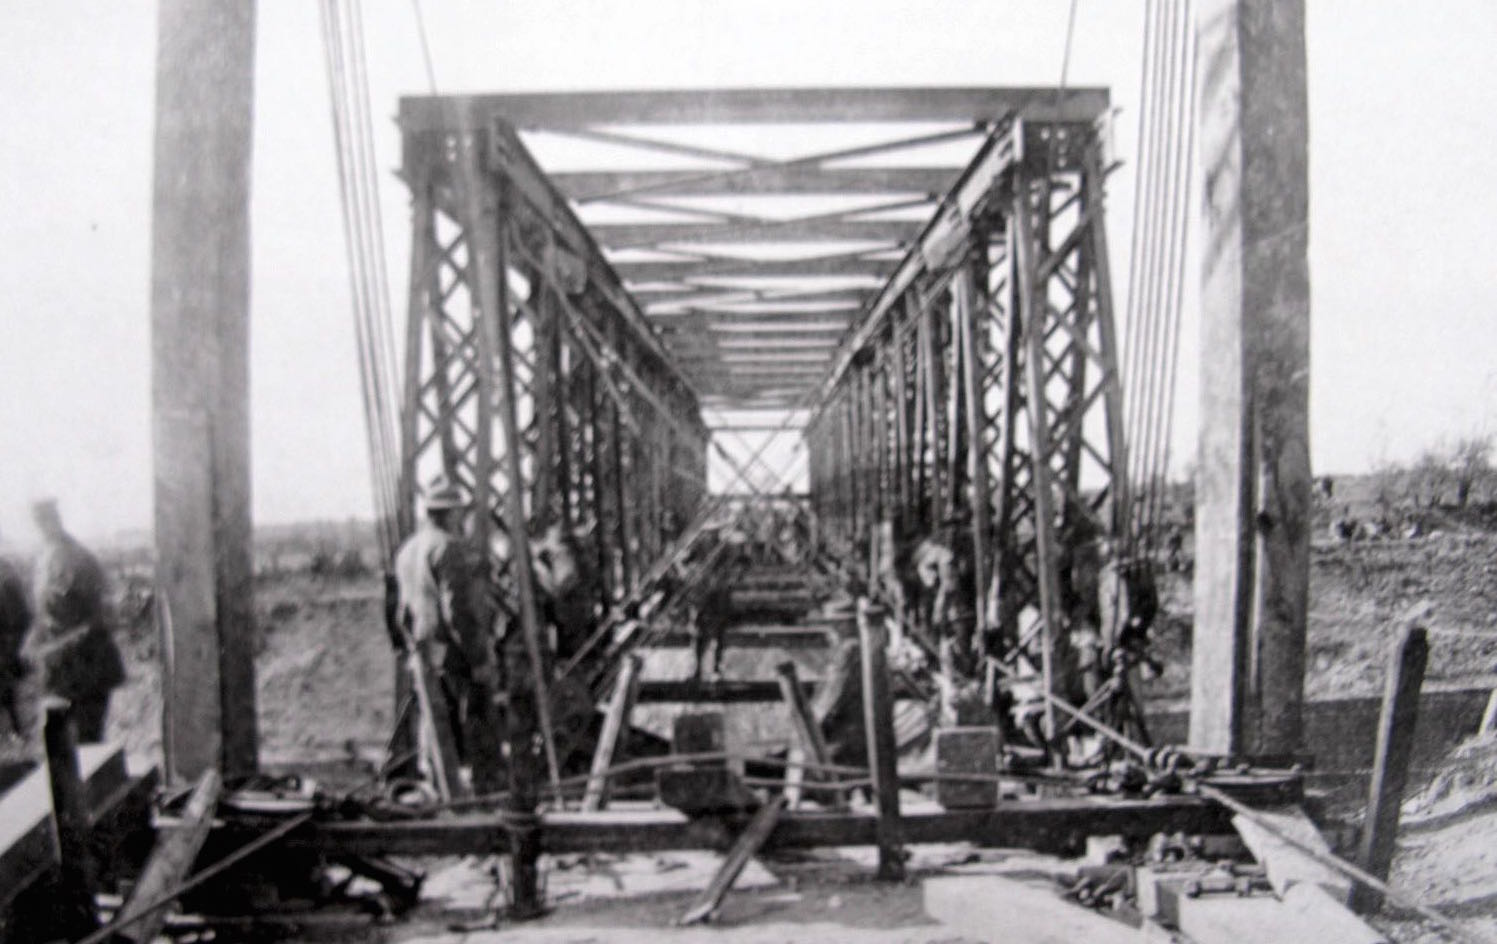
(940, 301)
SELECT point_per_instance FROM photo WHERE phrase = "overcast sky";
(1403, 215)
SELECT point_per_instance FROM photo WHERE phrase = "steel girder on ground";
(530, 375)
(983, 387)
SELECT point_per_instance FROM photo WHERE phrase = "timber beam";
(1046, 825)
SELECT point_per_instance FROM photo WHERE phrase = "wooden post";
(1253, 487)
(72, 906)
(743, 850)
(1489, 716)
(200, 279)
(1407, 658)
(615, 731)
(175, 851)
(812, 740)
(524, 889)
(878, 720)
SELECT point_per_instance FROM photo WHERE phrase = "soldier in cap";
(441, 605)
(73, 640)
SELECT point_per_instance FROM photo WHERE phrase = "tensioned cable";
(1147, 317)
(1158, 272)
(342, 41)
(1169, 295)
(431, 73)
(1183, 215)
(1155, 304)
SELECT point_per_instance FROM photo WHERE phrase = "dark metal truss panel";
(695, 262)
(960, 359)
(983, 392)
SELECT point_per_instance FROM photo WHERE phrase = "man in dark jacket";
(15, 620)
(72, 643)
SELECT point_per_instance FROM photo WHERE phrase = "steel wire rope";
(373, 231)
(1154, 274)
(1137, 312)
(1172, 303)
(1157, 283)
(373, 285)
(1135, 248)
(1184, 194)
(378, 443)
(431, 73)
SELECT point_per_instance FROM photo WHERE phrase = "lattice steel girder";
(531, 376)
(742, 106)
(981, 387)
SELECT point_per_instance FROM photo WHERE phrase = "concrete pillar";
(200, 271)
(1253, 491)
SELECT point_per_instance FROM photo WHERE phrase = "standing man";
(441, 611)
(73, 641)
(15, 620)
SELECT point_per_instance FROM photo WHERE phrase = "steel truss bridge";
(925, 297)
(947, 327)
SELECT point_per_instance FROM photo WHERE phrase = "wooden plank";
(752, 637)
(759, 105)
(715, 691)
(615, 731)
(878, 723)
(200, 270)
(747, 846)
(1310, 915)
(71, 902)
(176, 849)
(627, 235)
(993, 907)
(1286, 865)
(705, 790)
(808, 730)
(1046, 825)
(1407, 657)
(1253, 492)
(28, 844)
(756, 268)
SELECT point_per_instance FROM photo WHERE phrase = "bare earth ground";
(325, 679)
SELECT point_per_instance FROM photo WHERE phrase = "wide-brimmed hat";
(443, 493)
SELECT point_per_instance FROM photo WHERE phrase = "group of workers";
(445, 612)
(57, 638)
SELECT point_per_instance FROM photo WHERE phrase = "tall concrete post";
(1253, 494)
(200, 271)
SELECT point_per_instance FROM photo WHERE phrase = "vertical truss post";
(1033, 307)
(980, 506)
(488, 237)
(1093, 177)
(902, 457)
(424, 261)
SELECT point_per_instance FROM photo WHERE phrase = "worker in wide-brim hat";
(440, 607)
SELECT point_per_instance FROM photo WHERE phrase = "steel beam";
(632, 235)
(752, 106)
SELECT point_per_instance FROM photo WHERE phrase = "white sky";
(1403, 217)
